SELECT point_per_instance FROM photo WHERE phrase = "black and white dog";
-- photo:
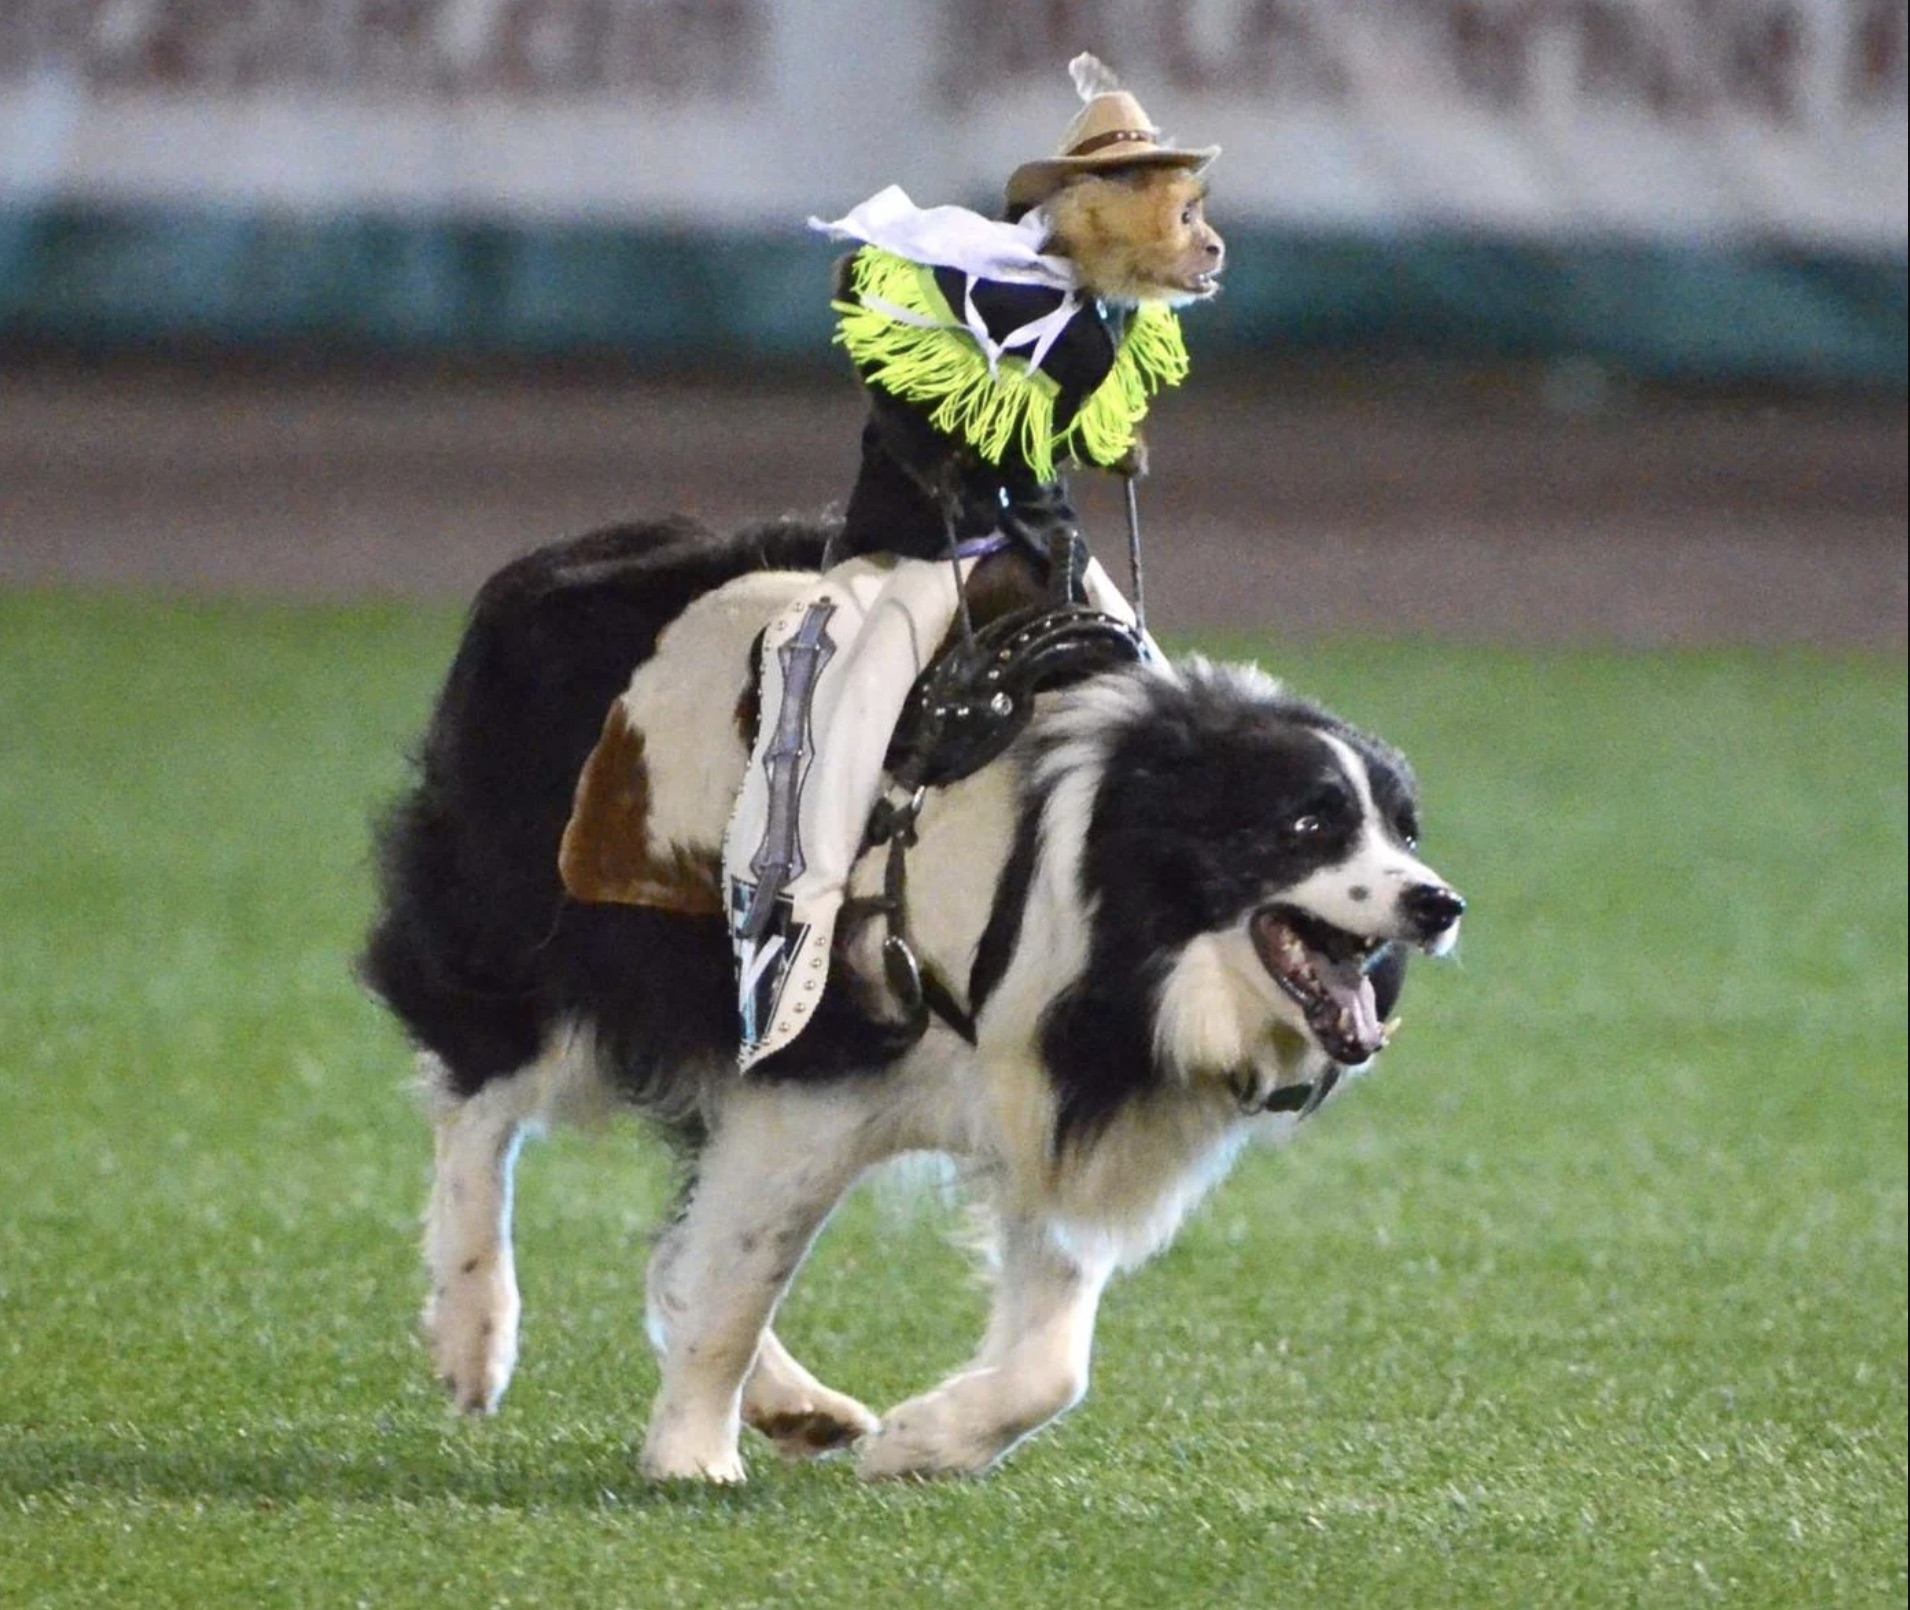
(1177, 910)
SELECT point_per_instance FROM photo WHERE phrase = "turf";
(1595, 1295)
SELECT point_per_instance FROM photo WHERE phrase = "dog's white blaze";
(1242, 679)
(1361, 894)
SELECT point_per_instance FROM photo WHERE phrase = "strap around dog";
(920, 989)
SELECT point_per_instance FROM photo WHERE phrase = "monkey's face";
(1139, 236)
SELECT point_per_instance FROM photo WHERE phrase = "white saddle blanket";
(839, 655)
(837, 666)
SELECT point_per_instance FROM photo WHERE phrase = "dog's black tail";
(471, 900)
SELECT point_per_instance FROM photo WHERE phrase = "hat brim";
(1034, 182)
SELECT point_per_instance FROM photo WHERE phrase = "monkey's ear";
(1092, 76)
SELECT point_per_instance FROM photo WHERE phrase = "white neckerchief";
(979, 248)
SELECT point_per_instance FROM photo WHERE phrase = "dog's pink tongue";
(1352, 991)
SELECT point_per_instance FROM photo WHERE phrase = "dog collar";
(1302, 1100)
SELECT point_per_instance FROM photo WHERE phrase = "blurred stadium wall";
(1686, 189)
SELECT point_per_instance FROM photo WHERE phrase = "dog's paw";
(933, 1435)
(719, 1472)
(471, 1328)
(822, 1422)
(680, 1457)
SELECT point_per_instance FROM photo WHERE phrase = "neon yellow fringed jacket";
(985, 389)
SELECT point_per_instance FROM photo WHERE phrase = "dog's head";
(1264, 856)
(1343, 888)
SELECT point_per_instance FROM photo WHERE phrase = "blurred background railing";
(1692, 188)
(1542, 318)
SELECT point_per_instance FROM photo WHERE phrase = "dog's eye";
(1187, 216)
(1322, 813)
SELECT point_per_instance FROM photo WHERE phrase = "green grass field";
(1595, 1295)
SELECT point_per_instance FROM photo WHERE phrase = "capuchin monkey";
(1134, 236)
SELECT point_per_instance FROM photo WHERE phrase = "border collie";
(1177, 911)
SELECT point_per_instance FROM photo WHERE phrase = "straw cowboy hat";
(1110, 131)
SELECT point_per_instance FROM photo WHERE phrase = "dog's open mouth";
(1323, 971)
(1201, 286)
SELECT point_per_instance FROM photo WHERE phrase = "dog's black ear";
(1388, 974)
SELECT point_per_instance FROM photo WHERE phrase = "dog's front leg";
(777, 1163)
(1032, 1366)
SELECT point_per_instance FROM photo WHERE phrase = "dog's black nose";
(1431, 908)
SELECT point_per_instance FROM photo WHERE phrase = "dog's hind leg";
(801, 1416)
(777, 1162)
(1032, 1367)
(470, 1318)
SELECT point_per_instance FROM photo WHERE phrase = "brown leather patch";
(606, 854)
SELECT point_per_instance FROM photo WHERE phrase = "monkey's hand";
(1133, 463)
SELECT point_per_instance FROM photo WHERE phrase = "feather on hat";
(1110, 131)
